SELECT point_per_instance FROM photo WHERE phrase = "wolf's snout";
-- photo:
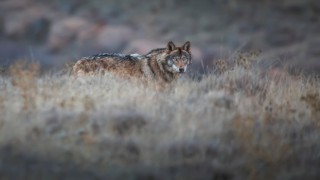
(181, 70)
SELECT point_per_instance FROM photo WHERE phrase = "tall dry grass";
(237, 123)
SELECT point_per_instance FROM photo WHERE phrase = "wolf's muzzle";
(181, 70)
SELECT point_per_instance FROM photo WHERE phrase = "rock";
(38, 29)
(32, 23)
(64, 31)
(15, 26)
(114, 38)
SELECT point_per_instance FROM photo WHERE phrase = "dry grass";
(238, 124)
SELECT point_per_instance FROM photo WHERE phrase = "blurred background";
(60, 31)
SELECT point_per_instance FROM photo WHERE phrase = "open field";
(240, 120)
(239, 124)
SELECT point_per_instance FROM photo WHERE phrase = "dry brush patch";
(240, 123)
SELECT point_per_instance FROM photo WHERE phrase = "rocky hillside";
(56, 32)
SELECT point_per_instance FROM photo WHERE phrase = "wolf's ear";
(187, 46)
(170, 46)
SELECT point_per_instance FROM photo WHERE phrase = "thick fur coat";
(163, 64)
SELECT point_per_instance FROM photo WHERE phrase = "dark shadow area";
(24, 166)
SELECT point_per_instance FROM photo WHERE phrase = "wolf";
(162, 64)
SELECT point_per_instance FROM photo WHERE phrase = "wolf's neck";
(156, 62)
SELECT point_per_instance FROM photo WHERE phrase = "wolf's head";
(177, 58)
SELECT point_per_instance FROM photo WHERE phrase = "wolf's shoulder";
(155, 51)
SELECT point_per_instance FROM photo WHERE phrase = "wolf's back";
(126, 65)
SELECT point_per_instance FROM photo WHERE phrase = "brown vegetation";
(238, 124)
